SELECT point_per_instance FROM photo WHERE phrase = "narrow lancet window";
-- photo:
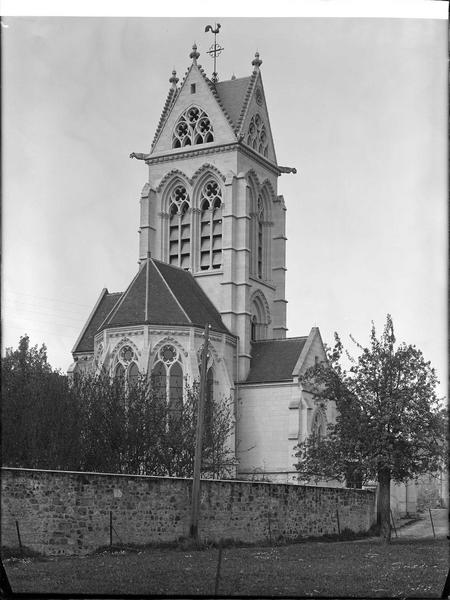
(167, 379)
(180, 228)
(260, 238)
(211, 227)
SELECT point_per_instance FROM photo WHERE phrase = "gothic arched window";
(180, 228)
(159, 381)
(257, 136)
(260, 238)
(259, 235)
(192, 128)
(211, 226)
(319, 425)
(260, 318)
(126, 368)
(120, 371)
(167, 377)
(133, 373)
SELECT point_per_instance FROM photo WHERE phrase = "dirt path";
(423, 528)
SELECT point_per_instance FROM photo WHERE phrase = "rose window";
(193, 127)
(126, 354)
(168, 354)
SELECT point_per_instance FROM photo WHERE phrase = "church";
(212, 250)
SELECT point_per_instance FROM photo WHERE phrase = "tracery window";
(211, 226)
(180, 228)
(192, 128)
(126, 368)
(167, 378)
(257, 136)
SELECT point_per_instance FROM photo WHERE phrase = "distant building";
(212, 249)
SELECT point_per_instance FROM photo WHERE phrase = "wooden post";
(270, 527)
(393, 523)
(219, 563)
(110, 527)
(338, 524)
(432, 524)
(18, 537)
(199, 439)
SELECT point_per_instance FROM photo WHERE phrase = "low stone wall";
(68, 513)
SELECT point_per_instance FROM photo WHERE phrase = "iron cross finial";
(215, 49)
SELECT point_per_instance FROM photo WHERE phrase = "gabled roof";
(160, 294)
(103, 307)
(193, 300)
(232, 94)
(274, 360)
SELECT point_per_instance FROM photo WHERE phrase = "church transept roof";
(160, 294)
(274, 360)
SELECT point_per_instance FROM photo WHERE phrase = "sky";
(357, 106)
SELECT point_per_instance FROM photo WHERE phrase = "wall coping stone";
(209, 481)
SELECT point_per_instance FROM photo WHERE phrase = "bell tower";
(210, 204)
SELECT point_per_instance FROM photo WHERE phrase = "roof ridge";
(290, 339)
(212, 87)
(235, 79)
(116, 307)
(247, 97)
(171, 291)
(171, 97)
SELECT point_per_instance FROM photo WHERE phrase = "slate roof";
(103, 308)
(196, 304)
(232, 93)
(274, 360)
(159, 294)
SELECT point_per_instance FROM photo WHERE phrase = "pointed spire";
(256, 62)
(194, 54)
(174, 79)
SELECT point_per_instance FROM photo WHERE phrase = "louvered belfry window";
(192, 128)
(211, 226)
(180, 228)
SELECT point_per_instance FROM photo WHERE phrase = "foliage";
(389, 426)
(97, 423)
(40, 420)
(127, 428)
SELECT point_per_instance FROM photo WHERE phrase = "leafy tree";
(127, 428)
(40, 424)
(389, 427)
(98, 423)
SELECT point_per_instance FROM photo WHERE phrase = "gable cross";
(216, 49)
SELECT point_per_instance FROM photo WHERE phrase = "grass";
(364, 568)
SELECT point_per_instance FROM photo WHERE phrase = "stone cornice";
(201, 150)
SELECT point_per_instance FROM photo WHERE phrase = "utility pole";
(199, 439)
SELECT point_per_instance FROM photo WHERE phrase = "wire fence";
(22, 536)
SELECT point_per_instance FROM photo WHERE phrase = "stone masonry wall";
(68, 513)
